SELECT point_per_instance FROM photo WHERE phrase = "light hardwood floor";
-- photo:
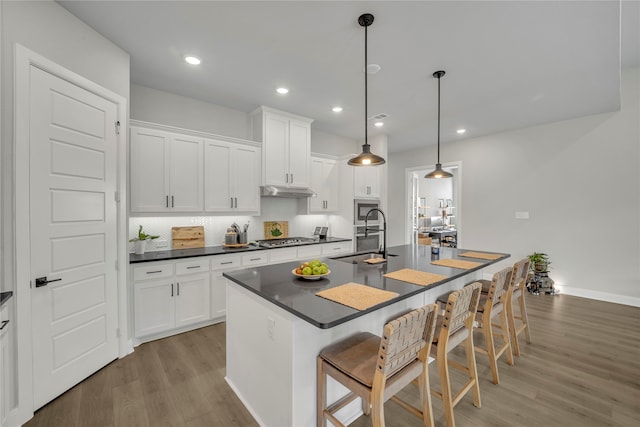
(582, 369)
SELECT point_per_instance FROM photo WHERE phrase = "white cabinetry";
(5, 364)
(336, 248)
(324, 181)
(166, 171)
(220, 264)
(286, 147)
(171, 295)
(366, 181)
(231, 177)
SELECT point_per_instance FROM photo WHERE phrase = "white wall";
(578, 179)
(156, 106)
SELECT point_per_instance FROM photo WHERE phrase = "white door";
(186, 173)
(192, 299)
(276, 159)
(73, 147)
(149, 170)
(217, 172)
(299, 153)
(247, 179)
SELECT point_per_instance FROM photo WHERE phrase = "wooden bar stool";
(491, 306)
(518, 290)
(453, 328)
(375, 368)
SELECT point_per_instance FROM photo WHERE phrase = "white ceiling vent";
(380, 116)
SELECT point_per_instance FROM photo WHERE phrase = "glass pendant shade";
(366, 158)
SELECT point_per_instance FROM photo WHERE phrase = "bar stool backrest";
(500, 285)
(404, 338)
(461, 305)
(519, 275)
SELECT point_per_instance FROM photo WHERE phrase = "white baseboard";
(598, 295)
(244, 402)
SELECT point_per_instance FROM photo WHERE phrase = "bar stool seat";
(375, 368)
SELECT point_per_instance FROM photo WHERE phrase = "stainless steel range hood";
(291, 193)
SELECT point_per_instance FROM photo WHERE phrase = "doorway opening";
(433, 204)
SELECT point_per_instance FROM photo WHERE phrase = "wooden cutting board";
(187, 237)
(276, 229)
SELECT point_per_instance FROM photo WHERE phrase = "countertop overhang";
(276, 283)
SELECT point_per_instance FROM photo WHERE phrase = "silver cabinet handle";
(227, 262)
(193, 266)
(254, 259)
(166, 201)
(178, 289)
(292, 178)
(235, 199)
(172, 289)
(155, 271)
(172, 204)
(231, 198)
(286, 177)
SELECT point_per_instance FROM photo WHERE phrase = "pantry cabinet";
(232, 177)
(286, 147)
(166, 171)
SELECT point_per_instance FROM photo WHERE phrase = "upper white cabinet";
(366, 181)
(231, 177)
(166, 171)
(324, 181)
(286, 147)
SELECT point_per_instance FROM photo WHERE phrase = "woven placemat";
(354, 295)
(456, 263)
(481, 255)
(416, 277)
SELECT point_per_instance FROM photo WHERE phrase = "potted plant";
(539, 262)
(140, 241)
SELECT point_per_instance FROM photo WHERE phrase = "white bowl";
(310, 276)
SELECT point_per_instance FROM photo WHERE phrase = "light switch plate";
(522, 215)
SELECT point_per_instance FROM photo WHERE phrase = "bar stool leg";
(525, 318)
(321, 394)
(506, 338)
(473, 369)
(512, 328)
(445, 385)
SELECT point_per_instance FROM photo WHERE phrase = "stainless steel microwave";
(361, 207)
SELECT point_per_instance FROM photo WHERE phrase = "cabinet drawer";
(155, 271)
(282, 255)
(194, 266)
(224, 262)
(336, 248)
(255, 258)
(311, 251)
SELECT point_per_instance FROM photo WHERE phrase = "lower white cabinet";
(171, 295)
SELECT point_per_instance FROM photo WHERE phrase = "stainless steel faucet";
(384, 230)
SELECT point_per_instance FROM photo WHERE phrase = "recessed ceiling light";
(461, 131)
(336, 109)
(282, 90)
(378, 124)
(193, 60)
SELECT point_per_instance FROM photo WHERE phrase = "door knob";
(42, 281)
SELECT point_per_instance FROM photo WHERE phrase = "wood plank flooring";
(581, 369)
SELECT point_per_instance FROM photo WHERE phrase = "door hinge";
(118, 127)
(116, 196)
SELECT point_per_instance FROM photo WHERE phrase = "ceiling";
(509, 64)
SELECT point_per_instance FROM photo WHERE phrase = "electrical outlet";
(271, 326)
(522, 215)
(161, 243)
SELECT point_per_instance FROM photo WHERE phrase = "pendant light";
(366, 158)
(438, 173)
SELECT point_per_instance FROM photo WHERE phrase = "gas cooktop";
(289, 241)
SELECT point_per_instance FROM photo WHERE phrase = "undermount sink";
(358, 258)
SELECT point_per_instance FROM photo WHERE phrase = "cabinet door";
(275, 155)
(186, 178)
(217, 176)
(246, 179)
(154, 307)
(149, 170)
(330, 175)
(299, 153)
(366, 181)
(218, 295)
(192, 299)
(317, 204)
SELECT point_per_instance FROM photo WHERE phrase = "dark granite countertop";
(276, 283)
(212, 250)
(5, 296)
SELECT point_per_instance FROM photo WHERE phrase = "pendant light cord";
(438, 119)
(366, 102)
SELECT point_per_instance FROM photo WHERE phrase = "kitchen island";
(276, 326)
